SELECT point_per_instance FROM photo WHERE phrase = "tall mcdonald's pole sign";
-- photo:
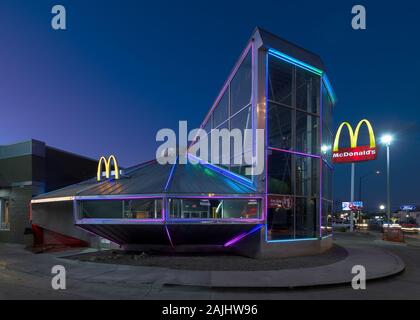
(354, 153)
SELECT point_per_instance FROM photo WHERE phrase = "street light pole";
(360, 182)
(388, 184)
(386, 140)
(353, 169)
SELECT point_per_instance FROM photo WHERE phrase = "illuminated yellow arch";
(107, 163)
(354, 136)
(371, 134)
(338, 134)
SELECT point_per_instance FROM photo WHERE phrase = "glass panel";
(101, 209)
(307, 131)
(280, 219)
(221, 112)
(223, 152)
(214, 208)
(241, 86)
(142, 209)
(279, 127)
(242, 209)
(307, 172)
(279, 170)
(280, 74)
(307, 91)
(242, 121)
(327, 180)
(241, 168)
(306, 217)
(121, 209)
(190, 208)
(326, 148)
(207, 126)
(327, 207)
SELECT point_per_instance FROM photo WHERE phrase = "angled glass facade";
(293, 150)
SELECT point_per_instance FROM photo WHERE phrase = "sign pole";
(352, 196)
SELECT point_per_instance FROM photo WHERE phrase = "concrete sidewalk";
(379, 263)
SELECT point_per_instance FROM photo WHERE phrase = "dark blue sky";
(125, 69)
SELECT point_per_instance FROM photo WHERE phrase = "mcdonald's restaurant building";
(275, 86)
(30, 168)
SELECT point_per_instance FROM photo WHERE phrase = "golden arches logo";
(354, 153)
(107, 163)
(355, 135)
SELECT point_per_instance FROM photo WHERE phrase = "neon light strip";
(120, 197)
(294, 61)
(294, 240)
(216, 221)
(295, 152)
(242, 235)
(321, 138)
(170, 175)
(177, 196)
(57, 199)
(308, 67)
(169, 236)
(238, 178)
(117, 221)
(330, 90)
(97, 235)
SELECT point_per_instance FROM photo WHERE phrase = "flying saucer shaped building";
(286, 210)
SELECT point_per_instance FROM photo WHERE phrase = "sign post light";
(354, 153)
(386, 140)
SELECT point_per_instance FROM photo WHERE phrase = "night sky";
(125, 69)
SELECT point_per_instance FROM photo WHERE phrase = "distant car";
(341, 224)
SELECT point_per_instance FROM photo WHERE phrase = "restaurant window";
(121, 209)
(214, 208)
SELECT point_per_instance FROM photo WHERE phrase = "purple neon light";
(117, 221)
(242, 235)
(169, 236)
(320, 167)
(215, 197)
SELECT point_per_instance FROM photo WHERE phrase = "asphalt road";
(33, 285)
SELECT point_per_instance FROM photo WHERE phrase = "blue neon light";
(294, 61)
(307, 67)
(248, 183)
(329, 88)
(170, 175)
